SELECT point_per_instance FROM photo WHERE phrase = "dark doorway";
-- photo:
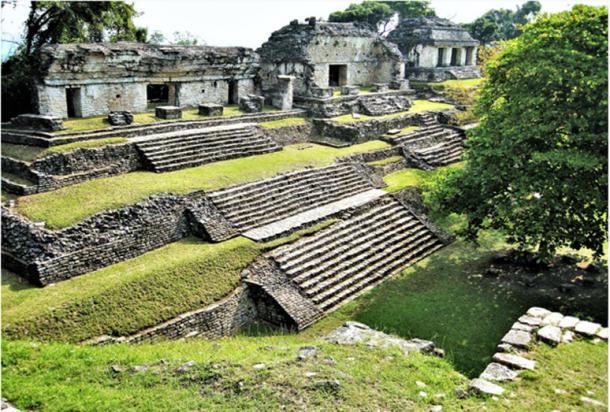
(337, 75)
(157, 94)
(454, 57)
(441, 57)
(233, 95)
(73, 102)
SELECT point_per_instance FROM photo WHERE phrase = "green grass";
(31, 153)
(413, 177)
(69, 205)
(291, 121)
(403, 131)
(418, 106)
(101, 122)
(123, 298)
(459, 84)
(8, 196)
(386, 161)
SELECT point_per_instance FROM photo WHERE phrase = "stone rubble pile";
(539, 324)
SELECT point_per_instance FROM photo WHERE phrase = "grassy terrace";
(413, 177)
(418, 106)
(276, 124)
(101, 122)
(31, 153)
(386, 161)
(68, 205)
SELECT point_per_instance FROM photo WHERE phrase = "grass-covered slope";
(400, 179)
(223, 377)
(69, 205)
(123, 298)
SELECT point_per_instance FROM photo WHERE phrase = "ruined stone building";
(322, 54)
(436, 49)
(83, 80)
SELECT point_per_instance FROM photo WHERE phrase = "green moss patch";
(276, 124)
(413, 177)
(386, 161)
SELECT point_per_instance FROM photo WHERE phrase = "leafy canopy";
(537, 163)
(502, 24)
(379, 14)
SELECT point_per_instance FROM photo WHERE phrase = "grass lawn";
(123, 298)
(291, 121)
(101, 122)
(413, 177)
(386, 161)
(459, 84)
(418, 106)
(31, 153)
(69, 205)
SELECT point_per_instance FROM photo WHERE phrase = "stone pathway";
(539, 324)
(278, 227)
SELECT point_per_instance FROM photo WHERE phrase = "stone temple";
(314, 86)
(436, 49)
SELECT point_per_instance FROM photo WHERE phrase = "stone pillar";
(447, 56)
(475, 51)
(462, 59)
(282, 98)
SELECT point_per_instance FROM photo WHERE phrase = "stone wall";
(290, 134)
(362, 131)
(381, 103)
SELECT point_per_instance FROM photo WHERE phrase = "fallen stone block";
(210, 109)
(350, 90)
(568, 322)
(120, 118)
(168, 112)
(587, 328)
(538, 312)
(603, 334)
(379, 87)
(482, 387)
(530, 320)
(552, 319)
(402, 84)
(522, 326)
(514, 361)
(498, 372)
(550, 334)
(39, 122)
(567, 337)
(321, 92)
(251, 103)
(518, 338)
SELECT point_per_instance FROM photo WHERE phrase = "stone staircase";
(428, 119)
(255, 204)
(441, 154)
(189, 148)
(342, 261)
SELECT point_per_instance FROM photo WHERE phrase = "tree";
(51, 22)
(502, 24)
(186, 39)
(156, 37)
(536, 166)
(379, 15)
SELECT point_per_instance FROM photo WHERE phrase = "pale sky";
(250, 22)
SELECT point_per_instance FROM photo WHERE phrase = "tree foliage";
(537, 163)
(50, 22)
(502, 24)
(378, 15)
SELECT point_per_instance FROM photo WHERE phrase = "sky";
(250, 22)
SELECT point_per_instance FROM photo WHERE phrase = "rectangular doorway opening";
(157, 95)
(441, 57)
(454, 57)
(233, 92)
(73, 102)
(337, 75)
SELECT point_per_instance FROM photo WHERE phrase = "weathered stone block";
(350, 90)
(379, 87)
(514, 361)
(483, 387)
(498, 372)
(39, 122)
(537, 312)
(120, 118)
(399, 84)
(518, 338)
(321, 92)
(550, 334)
(251, 103)
(168, 112)
(283, 96)
(587, 328)
(210, 109)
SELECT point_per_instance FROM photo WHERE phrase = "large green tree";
(536, 166)
(51, 22)
(503, 24)
(378, 15)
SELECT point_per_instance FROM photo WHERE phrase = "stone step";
(448, 143)
(398, 261)
(210, 152)
(444, 157)
(266, 215)
(244, 191)
(155, 145)
(323, 240)
(347, 244)
(356, 252)
(154, 139)
(201, 161)
(420, 135)
(179, 146)
(278, 186)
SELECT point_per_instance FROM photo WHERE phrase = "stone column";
(462, 55)
(447, 56)
(282, 98)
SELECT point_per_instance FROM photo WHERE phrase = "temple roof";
(433, 31)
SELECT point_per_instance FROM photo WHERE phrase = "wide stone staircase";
(441, 154)
(277, 200)
(342, 261)
(188, 148)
